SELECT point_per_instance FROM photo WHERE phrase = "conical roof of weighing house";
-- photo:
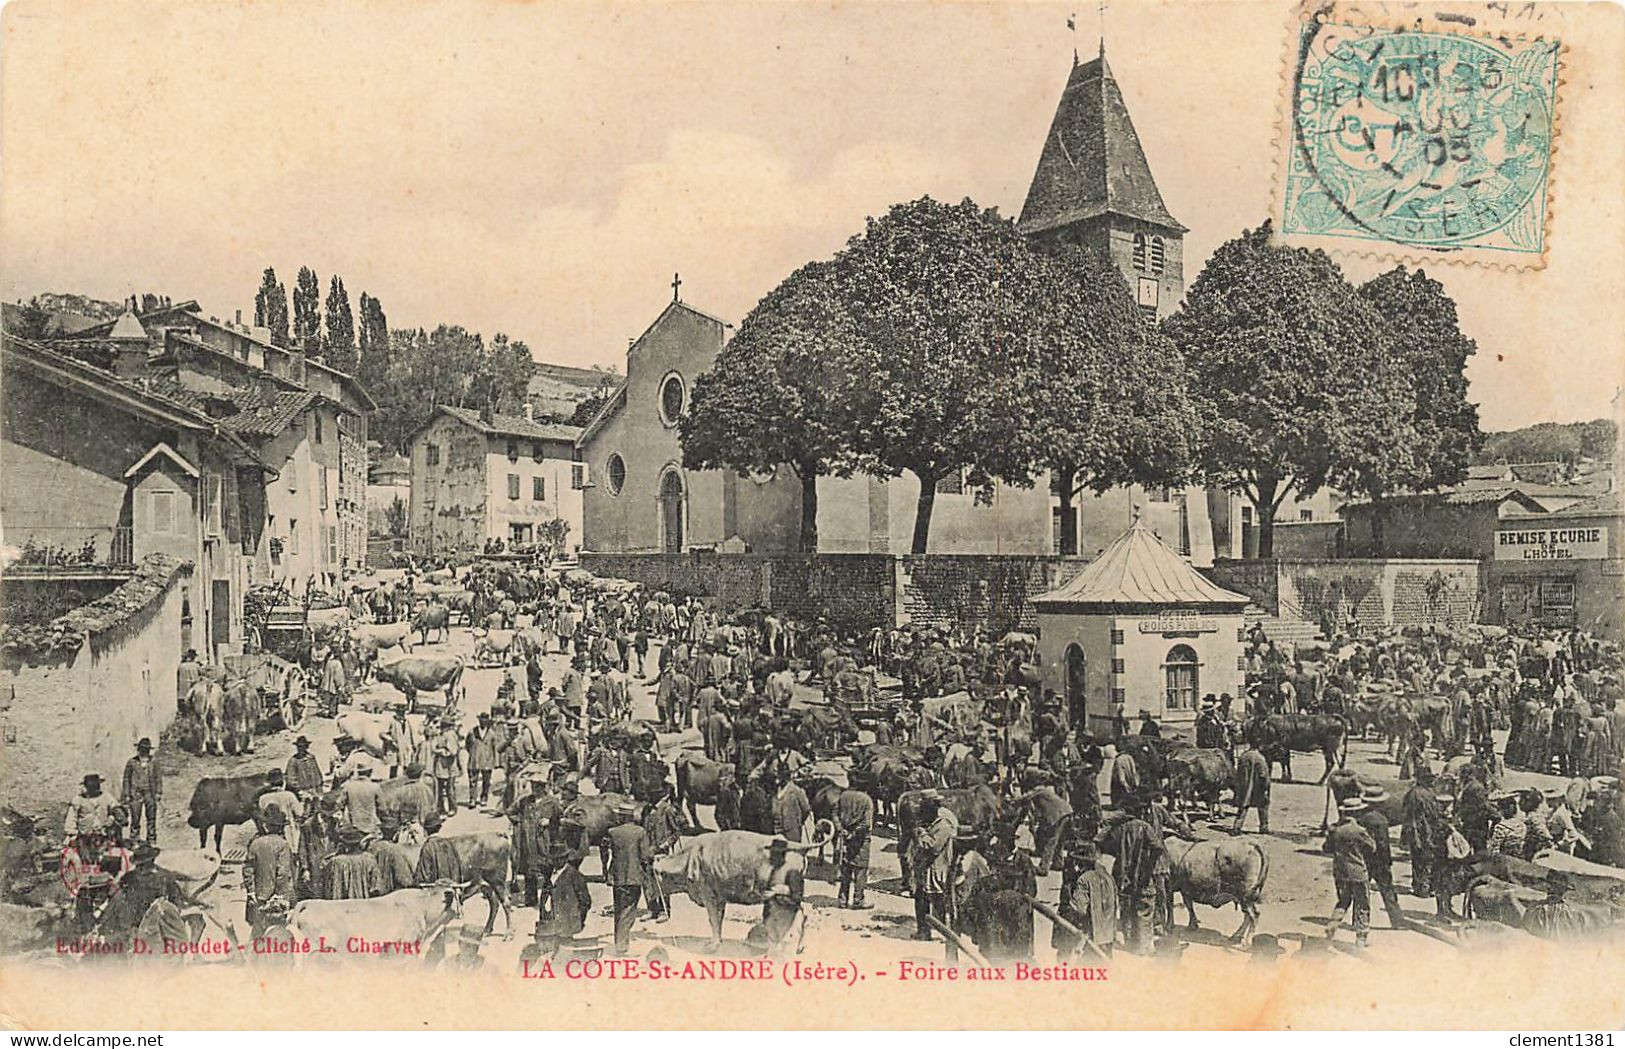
(1139, 569)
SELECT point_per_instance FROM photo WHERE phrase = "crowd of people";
(987, 780)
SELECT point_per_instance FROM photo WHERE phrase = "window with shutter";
(513, 486)
(578, 475)
(538, 489)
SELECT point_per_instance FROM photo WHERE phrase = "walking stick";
(957, 940)
(1055, 916)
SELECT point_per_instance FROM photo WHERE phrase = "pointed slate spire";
(1092, 163)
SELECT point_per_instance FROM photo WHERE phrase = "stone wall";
(857, 591)
(61, 718)
(965, 592)
(1380, 592)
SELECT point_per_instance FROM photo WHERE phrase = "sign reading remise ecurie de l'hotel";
(1551, 544)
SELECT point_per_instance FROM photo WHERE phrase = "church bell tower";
(1094, 188)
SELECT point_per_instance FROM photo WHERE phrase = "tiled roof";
(1609, 503)
(1092, 162)
(1138, 568)
(514, 425)
(1463, 496)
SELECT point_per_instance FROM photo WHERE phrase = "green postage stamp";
(1420, 143)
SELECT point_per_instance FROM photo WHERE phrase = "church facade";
(1093, 186)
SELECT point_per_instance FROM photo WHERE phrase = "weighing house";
(1139, 626)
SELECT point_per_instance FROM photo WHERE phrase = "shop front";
(1561, 570)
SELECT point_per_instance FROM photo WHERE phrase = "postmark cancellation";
(1425, 141)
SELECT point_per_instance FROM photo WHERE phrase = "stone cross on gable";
(676, 285)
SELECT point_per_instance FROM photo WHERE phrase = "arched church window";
(1139, 251)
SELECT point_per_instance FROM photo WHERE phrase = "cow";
(372, 731)
(1228, 870)
(1492, 899)
(1346, 784)
(885, 772)
(221, 800)
(486, 858)
(1279, 735)
(730, 866)
(976, 807)
(595, 814)
(436, 616)
(406, 916)
(701, 780)
(1203, 774)
(372, 638)
(497, 648)
(1150, 754)
(424, 674)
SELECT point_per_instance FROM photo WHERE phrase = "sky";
(543, 169)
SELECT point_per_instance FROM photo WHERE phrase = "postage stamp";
(1420, 142)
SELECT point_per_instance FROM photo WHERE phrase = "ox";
(434, 616)
(486, 858)
(424, 674)
(703, 781)
(1215, 873)
(595, 814)
(221, 800)
(1280, 734)
(1194, 774)
(404, 917)
(372, 638)
(1492, 899)
(730, 866)
(498, 648)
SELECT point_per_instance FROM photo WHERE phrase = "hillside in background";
(1551, 442)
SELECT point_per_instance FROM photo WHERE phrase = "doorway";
(671, 512)
(1077, 685)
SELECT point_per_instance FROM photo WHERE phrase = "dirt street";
(1297, 897)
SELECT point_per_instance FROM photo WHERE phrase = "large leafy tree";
(1295, 374)
(271, 307)
(1111, 407)
(338, 343)
(1432, 447)
(941, 381)
(307, 310)
(772, 397)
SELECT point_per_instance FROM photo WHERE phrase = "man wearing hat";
(1252, 787)
(142, 886)
(1424, 832)
(268, 873)
(786, 888)
(447, 751)
(304, 774)
(631, 867)
(143, 786)
(482, 759)
(395, 868)
(437, 860)
(1349, 845)
(792, 810)
(1210, 731)
(402, 741)
(533, 817)
(930, 860)
(1088, 901)
(350, 873)
(361, 795)
(1381, 859)
(89, 813)
(278, 797)
(854, 826)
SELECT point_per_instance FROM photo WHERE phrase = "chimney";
(530, 412)
(239, 318)
(487, 414)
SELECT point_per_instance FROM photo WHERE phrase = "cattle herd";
(805, 740)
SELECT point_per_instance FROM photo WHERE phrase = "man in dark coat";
(854, 826)
(665, 824)
(1424, 831)
(756, 807)
(143, 786)
(1137, 848)
(350, 874)
(304, 772)
(437, 860)
(631, 867)
(1252, 788)
(535, 817)
(1381, 859)
(1088, 901)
